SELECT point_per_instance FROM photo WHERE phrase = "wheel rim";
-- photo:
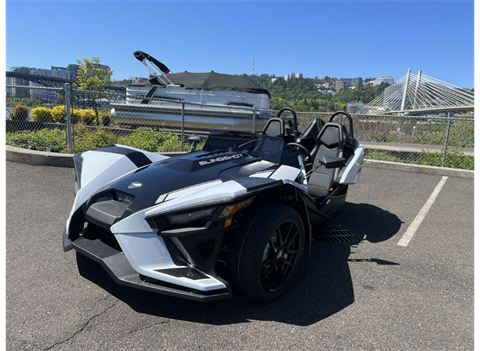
(280, 256)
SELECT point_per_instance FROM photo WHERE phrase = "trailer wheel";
(267, 252)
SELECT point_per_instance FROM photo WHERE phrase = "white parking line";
(421, 215)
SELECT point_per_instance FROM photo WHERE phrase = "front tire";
(267, 252)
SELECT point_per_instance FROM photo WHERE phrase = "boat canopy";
(209, 81)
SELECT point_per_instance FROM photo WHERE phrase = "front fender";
(95, 169)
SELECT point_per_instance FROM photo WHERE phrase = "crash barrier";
(161, 125)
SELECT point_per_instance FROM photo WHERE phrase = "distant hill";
(302, 95)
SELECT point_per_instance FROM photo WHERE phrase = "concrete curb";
(38, 158)
(42, 158)
(405, 167)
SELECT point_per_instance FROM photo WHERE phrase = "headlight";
(123, 197)
(190, 216)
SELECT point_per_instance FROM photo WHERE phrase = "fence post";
(446, 141)
(183, 125)
(254, 121)
(69, 119)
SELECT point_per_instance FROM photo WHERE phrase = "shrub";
(106, 119)
(88, 140)
(39, 140)
(170, 143)
(19, 113)
(87, 119)
(42, 114)
(152, 141)
(59, 113)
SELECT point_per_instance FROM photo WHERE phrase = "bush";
(39, 140)
(88, 140)
(19, 113)
(106, 119)
(152, 141)
(87, 119)
(85, 139)
(59, 113)
(42, 114)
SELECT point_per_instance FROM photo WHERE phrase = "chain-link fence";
(160, 125)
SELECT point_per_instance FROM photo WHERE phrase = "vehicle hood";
(149, 182)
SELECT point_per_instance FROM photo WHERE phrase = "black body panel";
(177, 173)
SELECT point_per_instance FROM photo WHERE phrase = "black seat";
(275, 127)
(278, 127)
(329, 143)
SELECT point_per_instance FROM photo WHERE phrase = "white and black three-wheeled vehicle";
(233, 217)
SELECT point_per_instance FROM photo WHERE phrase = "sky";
(335, 38)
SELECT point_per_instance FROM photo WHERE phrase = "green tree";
(92, 78)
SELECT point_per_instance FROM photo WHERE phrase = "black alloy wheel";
(266, 252)
(280, 256)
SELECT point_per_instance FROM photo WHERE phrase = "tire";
(266, 252)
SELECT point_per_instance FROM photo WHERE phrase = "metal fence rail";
(159, 125)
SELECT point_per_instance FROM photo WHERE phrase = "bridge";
(78, 96)
(417, 94)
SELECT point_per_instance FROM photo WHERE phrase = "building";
(73, 69)
(354, 107)
(340, 84)
(70, 73)
(326, 89)
(348, 82)
(61, 72)
(9, 90)
(20, 92)
(135, 80)
(292, 75)
(36, 94)
(387, 79)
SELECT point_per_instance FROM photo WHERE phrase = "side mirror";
(195, 140)
(332, 161)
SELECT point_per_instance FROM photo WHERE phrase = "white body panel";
(216, 193)
(352, 171)
(285, 172)
(102, 168)
(147, 253)
(186, 191)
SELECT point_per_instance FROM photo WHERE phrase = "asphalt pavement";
(376, 295)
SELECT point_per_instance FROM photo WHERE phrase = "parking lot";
(376, 295)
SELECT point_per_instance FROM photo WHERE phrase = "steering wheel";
(303, 150)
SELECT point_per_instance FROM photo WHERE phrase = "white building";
(386, 79)
(293, 75)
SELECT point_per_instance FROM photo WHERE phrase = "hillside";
(302, 95)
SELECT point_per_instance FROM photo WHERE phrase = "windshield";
(258, 145)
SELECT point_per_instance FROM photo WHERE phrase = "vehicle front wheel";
(267, 252)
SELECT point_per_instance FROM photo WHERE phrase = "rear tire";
(267, 251)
